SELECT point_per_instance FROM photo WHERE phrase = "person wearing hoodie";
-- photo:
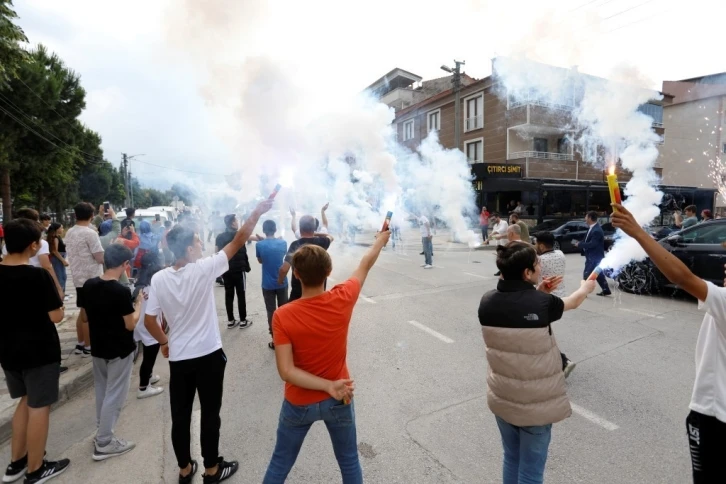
(148, 242)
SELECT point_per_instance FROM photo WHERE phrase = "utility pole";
(126, 178)
(131, 191)
(456, 81)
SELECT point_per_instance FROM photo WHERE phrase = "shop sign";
(502, 170)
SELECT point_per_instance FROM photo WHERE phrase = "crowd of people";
(172, 311)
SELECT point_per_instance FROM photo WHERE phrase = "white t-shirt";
(321, 230)
(425, 230)
(709, 389)
(501, 229)
(140, 332)
(186, 298)
(34, 261)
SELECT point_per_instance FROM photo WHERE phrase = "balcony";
(534, 114)
(542, 155)
(475, 122)
(516, 104)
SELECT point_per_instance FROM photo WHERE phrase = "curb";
(76, 381)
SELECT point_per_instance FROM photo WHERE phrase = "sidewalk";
(78, 377)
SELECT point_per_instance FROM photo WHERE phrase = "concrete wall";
(691, 140)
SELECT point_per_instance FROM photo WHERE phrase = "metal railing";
(543, 155)
(534, 102)
(657, 125)
(475, 122)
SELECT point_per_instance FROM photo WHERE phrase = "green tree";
(12, 56)
(185, 193)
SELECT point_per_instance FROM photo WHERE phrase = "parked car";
(662, 231)
(566, 233)
(700, 247)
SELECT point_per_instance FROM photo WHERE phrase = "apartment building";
(695, 123)
(520, 149)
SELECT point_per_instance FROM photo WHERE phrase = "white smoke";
(321, 145)
(605, 126)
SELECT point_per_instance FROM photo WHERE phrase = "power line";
(43, 128)
(178, 169)
(47, 104)
(638, 21)
(628, 10)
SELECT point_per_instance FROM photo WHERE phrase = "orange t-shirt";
(317, 329)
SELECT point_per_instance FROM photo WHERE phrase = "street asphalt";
(417, 357)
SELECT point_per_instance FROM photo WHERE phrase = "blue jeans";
(295, 421)
(525, 452)
(428, 248)
(60, 271)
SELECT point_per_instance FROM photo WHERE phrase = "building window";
(655, 111)
(563, 146)
(408, 130)
(433, 120)
(474, 112)
(541, 145)
(474, 150)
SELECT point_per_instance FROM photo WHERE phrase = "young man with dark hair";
(553, 263)
(593, 248)
(42, 257)
(524, 228)
(311, 339)
(129, 220)
(271, 254)
(524, 361)
(45, 221)
(706, 423)
(184, 293)
(307, 236)
(235, 279)
(85, 256)
(112, 317)
(29, 352)
(690, 219)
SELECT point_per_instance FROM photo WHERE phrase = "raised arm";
(671, 266)
(574, 300)
(370, 257)
(677, 219)
(240, 238)
(323, 217)
(293, 222)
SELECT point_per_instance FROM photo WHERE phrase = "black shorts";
(39, 384)
(80, 299)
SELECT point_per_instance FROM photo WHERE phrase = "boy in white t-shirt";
(184, 293)
(706, 424)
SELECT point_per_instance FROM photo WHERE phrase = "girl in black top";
(54, 237)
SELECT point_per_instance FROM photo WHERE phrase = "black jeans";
(706, 437)
(235, 282)
(274, 298)
(600, 278)
(147, 366)
(204, 375)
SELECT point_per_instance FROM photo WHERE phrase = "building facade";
(520, 150)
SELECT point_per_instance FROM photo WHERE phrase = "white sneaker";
(154, 379)
(149, 392)
(427, 266)
(114, 448)
(422, 265)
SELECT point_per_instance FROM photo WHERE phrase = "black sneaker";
(16, 470)
(86, 353)
(78, 350)
(244, 324)
(47, 471)
(188, 478)
(225, 470)
(232, 324)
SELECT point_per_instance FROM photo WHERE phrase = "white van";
(169, 212)
(149, 215)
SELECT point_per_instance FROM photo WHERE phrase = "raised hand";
(622, 219)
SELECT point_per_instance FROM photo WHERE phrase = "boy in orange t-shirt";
(311, 343)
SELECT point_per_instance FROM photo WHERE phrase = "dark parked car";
(699, 247)
(662, 231)
(567, 232)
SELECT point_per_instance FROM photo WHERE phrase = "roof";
(720, 76)
(396, 77)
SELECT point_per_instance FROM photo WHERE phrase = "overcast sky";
(144, 62)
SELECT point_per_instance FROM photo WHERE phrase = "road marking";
(476, 275)
(430, 331)
(641, 313)
(196, 431)
(596, 419)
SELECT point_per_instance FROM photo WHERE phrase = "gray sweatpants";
(274, 298)
(112, 379)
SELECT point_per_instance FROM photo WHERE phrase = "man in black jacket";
(235, 279)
